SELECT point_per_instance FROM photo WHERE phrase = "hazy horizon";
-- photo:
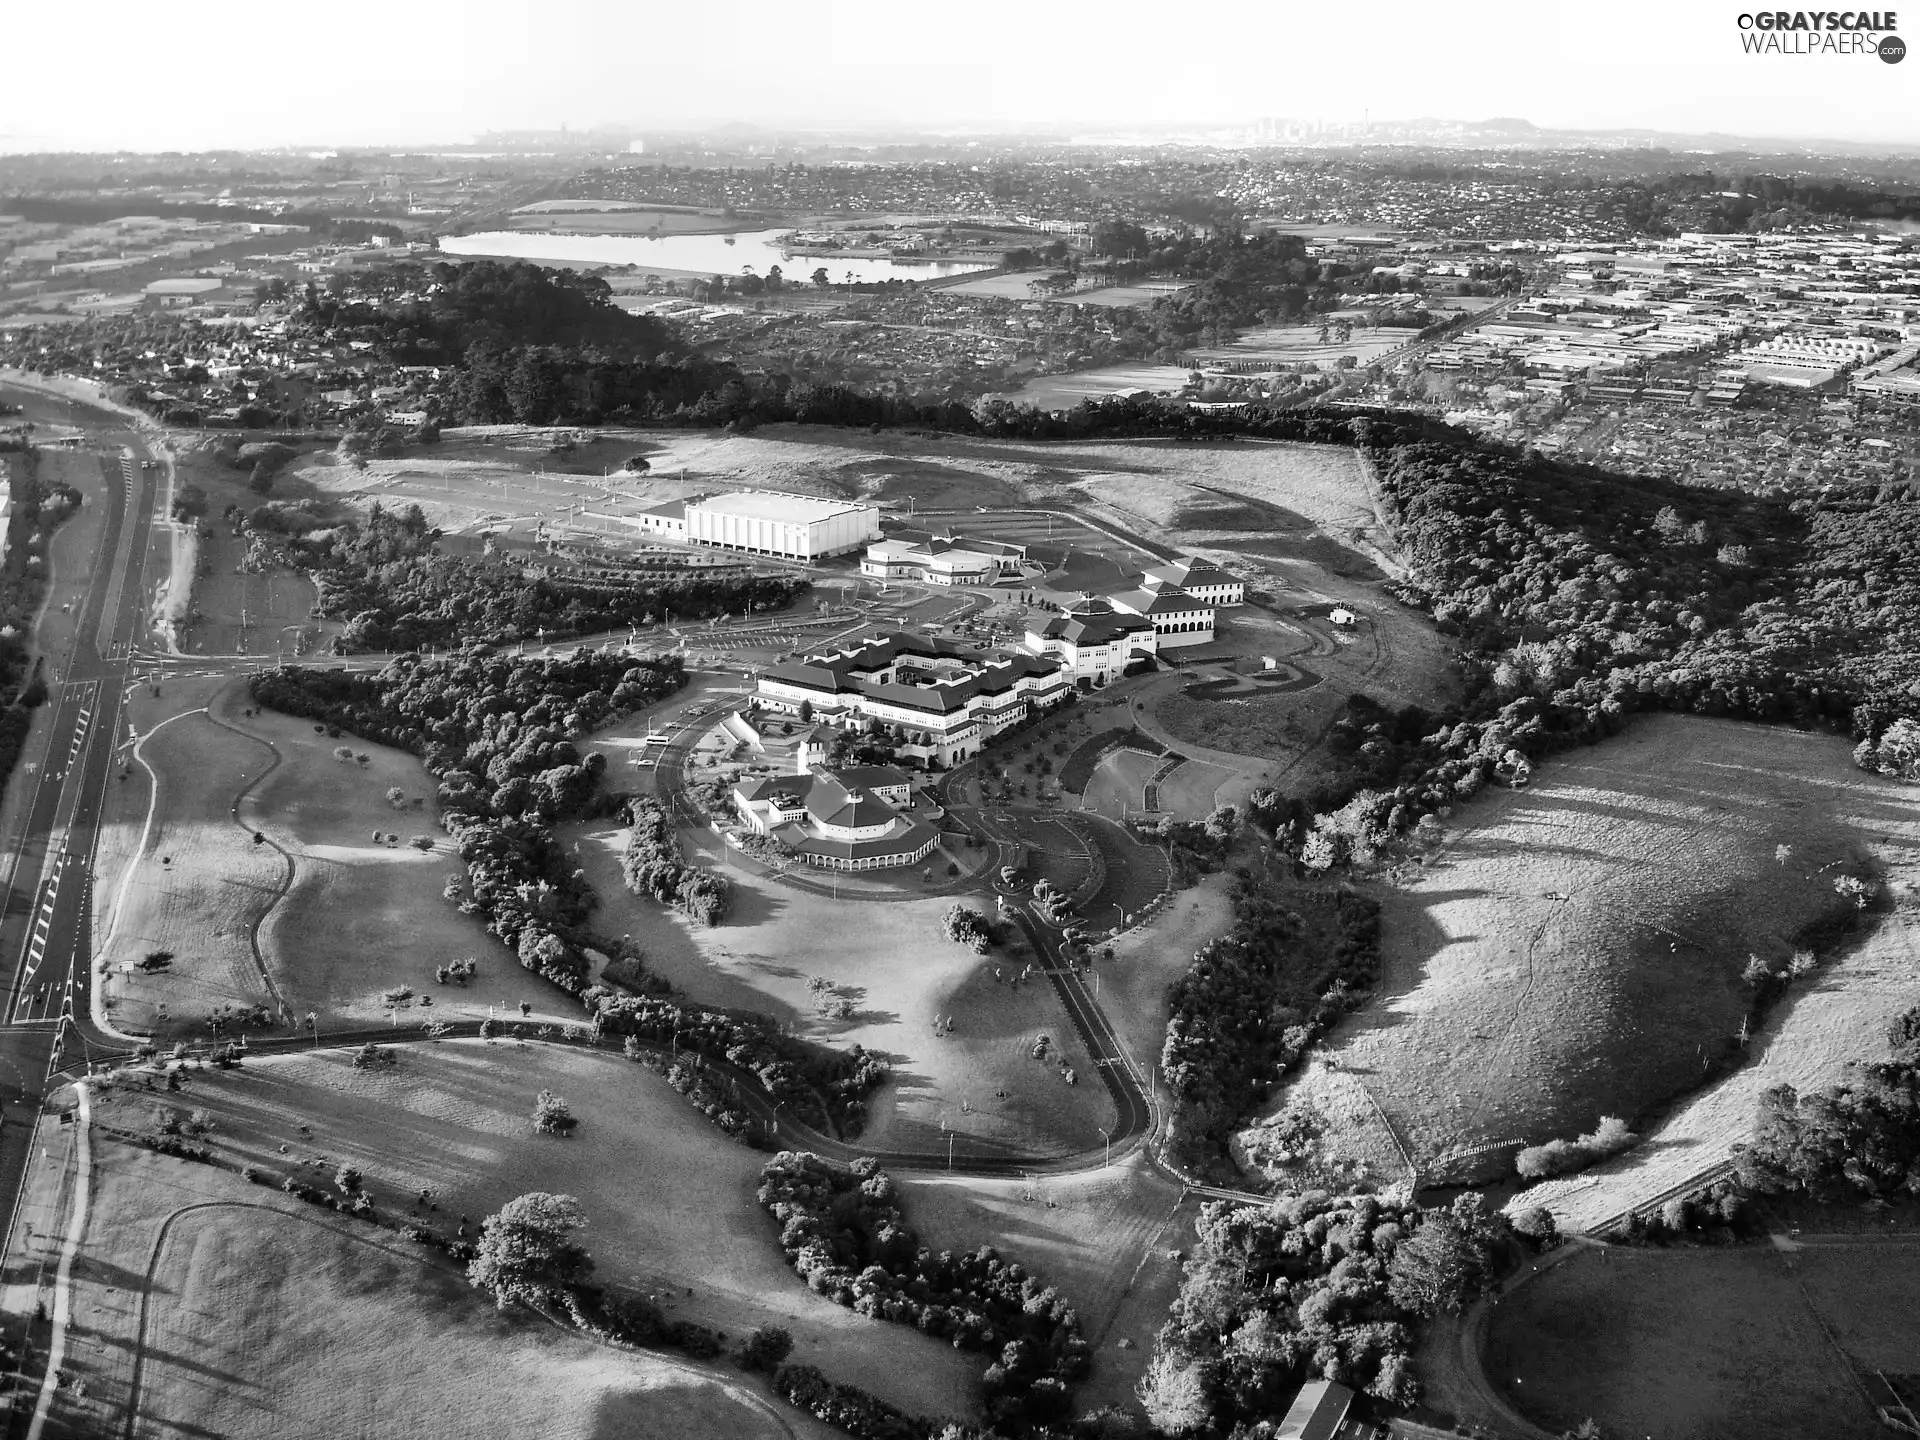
(421, 73)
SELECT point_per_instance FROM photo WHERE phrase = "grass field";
(192, 883)
(1146, 961)
(1295, 344)
(354, 918)
(1606, 911)
(1162, 501)
(1393, 655)
(889, 959)
(1713, 1344)
(669, 1199)
(267, 1317)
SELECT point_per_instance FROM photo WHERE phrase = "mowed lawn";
(364, 916)
(1576, 948)
(1708, 1344)
(191, 883)
(888, 958)
(669, 1198)
(267, 1318)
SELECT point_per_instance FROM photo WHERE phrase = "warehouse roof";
(777, 506)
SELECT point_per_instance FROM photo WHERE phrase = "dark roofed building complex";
(852, 819)
(944, 701)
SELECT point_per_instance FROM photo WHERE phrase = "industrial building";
(771, 522)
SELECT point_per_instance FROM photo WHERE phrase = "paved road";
(68, 765)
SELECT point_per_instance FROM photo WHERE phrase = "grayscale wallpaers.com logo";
(1823, 32)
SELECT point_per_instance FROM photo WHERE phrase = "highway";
(69, 762)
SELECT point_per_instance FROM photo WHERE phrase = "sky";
(196, 74)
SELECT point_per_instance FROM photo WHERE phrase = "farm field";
(669, 1199)
(1608, 909)
(1064, 391)
(888, 958)
(1709, 1343)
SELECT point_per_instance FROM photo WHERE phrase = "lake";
(700, 254)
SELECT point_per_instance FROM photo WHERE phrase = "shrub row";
(847, 1407)
(653, 866)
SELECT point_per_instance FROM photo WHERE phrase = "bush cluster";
(788, 1069)
(842, 1229)
(652, 865)
(847, 1407)
(1557, 1157)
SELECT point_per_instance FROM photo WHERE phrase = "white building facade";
(791, 527)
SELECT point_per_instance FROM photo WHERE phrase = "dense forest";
(386, 579)
(432, 315)
(1313, 1284)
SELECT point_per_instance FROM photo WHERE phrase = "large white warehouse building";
(769, 522)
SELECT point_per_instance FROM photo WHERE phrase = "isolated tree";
(551, 1116)
(1174, 1393)
(1448, 1261)
(526, 1251)
(766, 1347)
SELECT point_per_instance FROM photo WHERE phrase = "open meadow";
(341, 917)
(669, 1199)
(976, 1079)
(1576, 949)
(1712, 1344)
(261, 1317)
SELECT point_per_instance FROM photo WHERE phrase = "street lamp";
(1107, 1136)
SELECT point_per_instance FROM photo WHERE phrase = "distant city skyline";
(223, 74)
